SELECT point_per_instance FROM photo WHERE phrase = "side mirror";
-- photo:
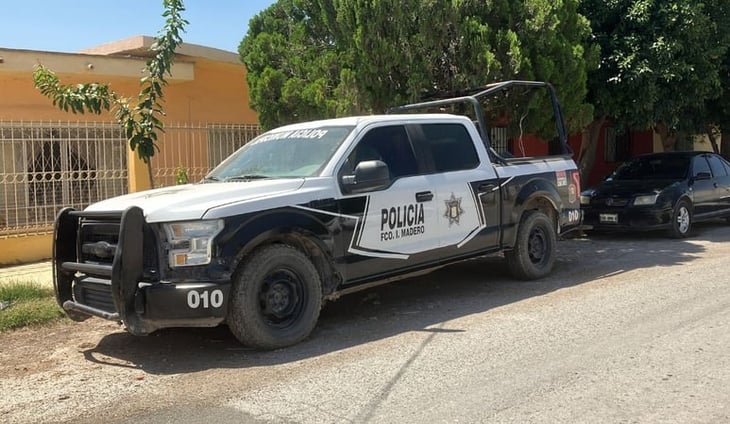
(369, 175)
(702, 176)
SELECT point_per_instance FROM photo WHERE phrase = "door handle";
(424, 196)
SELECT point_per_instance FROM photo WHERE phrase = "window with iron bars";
(616, 145)
(47, 166)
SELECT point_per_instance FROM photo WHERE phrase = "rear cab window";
(448, 147)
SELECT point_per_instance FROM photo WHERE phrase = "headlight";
(190, 242)
(648, 199)
(585, 196)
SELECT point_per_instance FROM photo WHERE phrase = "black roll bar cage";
(489, 89)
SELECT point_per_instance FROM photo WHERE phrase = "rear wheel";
(681, 222)
(276, 298)
(533, 255)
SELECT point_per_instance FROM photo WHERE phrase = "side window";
(389, 144)
(700, 165)
(450, 146)
(718, 168)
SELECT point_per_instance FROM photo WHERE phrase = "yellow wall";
(25, 249)
(217, 94)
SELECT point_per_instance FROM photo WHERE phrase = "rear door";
(466, 188)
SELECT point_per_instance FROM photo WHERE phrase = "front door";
(394, 226)
(704, 196)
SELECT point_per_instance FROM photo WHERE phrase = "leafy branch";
(140, 122)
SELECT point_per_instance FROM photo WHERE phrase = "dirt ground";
(603, 293)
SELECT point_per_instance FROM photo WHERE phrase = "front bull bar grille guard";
(123, 274)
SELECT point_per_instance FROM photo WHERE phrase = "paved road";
(627, 329)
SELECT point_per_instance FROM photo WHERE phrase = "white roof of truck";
(367, 119)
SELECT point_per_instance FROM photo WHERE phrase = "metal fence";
(45, 166)
(190, 151)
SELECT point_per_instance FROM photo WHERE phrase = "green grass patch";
(25, 304)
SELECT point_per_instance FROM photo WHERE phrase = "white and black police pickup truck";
(307, 212)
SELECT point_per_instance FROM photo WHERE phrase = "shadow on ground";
(415, 304)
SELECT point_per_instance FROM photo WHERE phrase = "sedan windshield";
(653, 168)
(282, 154)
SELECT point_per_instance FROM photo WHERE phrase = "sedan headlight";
(648, 199)
(190, 242)
(585, 197)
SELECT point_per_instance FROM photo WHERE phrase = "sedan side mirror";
(369, 175)
(702, 176)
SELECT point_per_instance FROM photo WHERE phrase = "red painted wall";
(640, 142)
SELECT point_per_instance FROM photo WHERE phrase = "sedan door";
(703, 187)
(721, 174)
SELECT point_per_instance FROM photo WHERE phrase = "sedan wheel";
(681, 223)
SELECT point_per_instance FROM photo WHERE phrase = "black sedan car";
(660, 191)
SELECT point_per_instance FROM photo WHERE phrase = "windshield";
(282, 154)
(653, 168)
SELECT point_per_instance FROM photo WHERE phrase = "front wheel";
(681, 223)
(276, 298)
(533, 255)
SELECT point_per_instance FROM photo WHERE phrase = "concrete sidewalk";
(39, 272)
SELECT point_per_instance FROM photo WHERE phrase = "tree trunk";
(588, 148)
(149, 173)
(725, 145)
(713, 139)
(668, 138)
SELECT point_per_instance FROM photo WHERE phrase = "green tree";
(660, 65)
(140, 121)
(324, 58)
(294, 67)
(719, 112)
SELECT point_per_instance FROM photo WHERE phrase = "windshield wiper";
(211, 179)
(248, 177)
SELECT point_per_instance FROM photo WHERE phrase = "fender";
(313, 233)
(535, 194)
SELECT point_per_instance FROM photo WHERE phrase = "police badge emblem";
(453, 209)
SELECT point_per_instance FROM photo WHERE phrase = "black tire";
(276, 298)
(681, 223)
(533, 255)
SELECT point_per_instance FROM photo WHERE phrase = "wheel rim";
(281, 298)
(537, 245)
(683, 220)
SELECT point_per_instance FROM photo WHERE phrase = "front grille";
(98, 241)
(617, 202)
(98, 238)
(94, 292)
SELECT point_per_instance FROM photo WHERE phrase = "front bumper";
(628, 218)
(115, 287)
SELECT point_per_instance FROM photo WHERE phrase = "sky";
(73, 25)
